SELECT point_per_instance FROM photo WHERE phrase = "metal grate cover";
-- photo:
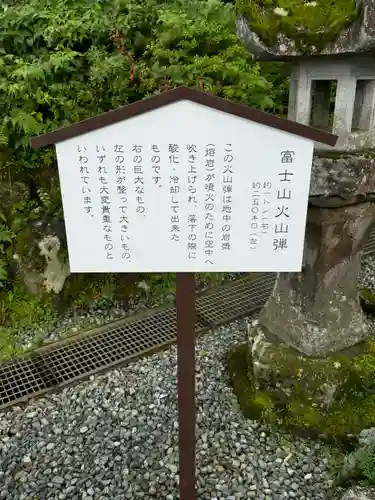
(235, 299)
(370, 246)
(71, 360)
(66, 362)
(20, 379)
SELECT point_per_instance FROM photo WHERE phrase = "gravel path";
(366, 278)
(115, 437)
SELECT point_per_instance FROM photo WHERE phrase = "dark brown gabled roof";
(179, 94)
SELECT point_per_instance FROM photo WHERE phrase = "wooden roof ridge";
(179, 94)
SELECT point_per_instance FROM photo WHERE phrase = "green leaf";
(6, 236)
(3, 272)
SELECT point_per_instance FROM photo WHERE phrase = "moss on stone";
(297, 407)
(255, 405)
(368, 295)
(367, 299)
(309, 23)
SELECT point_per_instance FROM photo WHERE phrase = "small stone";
(58, 480)
(173, 468)
(83, 429)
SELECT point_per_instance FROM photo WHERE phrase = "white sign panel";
(185, 188)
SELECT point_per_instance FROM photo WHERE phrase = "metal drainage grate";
(20, 379)
(71, 360)
(55, 366)
(235, 299)
(119, 343)
(370, 246)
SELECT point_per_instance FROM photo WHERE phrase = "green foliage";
(8, 344)
(21, 313)
(62, 61)
(195, 43)
(336, 459)
(366, 466)
(310, 24)
(6, 237)
(19, 310)
(98, 293)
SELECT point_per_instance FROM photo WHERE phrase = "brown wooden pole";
(185, 304)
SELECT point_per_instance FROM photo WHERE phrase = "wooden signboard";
(185, 182)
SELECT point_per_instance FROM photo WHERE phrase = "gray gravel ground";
(366, 278)
(116, 437)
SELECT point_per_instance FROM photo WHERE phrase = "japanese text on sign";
(182, 192)
(284, 194)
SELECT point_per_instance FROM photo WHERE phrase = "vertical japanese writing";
(226, 208)
(122, 193)
(284, 194)
(210, 157)
(105, 201)
(192, 201)
(174, 190)
(259, 211)
(139, 179)
(254, 215)
(155, 164)
(85, 179)
(264, 226)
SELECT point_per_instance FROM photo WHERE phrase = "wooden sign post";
(186, 318)
(185, 182)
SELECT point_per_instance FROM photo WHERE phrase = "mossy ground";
(367, 298)
(308, 23)
(352, 409)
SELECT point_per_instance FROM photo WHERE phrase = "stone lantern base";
(331, 397)
(317, 311)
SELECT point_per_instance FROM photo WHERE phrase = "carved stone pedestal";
(317, 311)
(331, 397)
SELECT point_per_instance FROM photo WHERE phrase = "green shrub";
(62, 61)
(367, 466)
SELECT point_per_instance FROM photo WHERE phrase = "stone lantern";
(317, 312)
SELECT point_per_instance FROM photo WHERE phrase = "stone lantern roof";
(319, 27)
(332, 47)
